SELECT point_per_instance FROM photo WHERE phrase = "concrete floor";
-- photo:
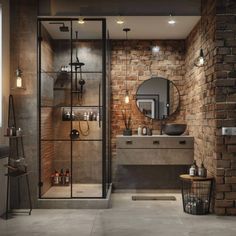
(125, 218)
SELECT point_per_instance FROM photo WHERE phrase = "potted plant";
(127, 122)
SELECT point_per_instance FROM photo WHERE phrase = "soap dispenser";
(139, 130)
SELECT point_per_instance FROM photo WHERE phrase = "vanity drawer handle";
(182, 142)
(156, 142)
(129, 142)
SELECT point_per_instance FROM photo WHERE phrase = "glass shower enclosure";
(74, 109)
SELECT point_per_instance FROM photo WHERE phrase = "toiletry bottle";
(61, 177)
(193, 169)
(56, 178)
(67, 177)
(13, 131)
(85, 116)
(94, 116)
(19, 132)
(88, 116)
(202, 171)
(144, 130)
(98, 116)
(139, 130)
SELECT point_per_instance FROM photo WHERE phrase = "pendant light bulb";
(19, 81)
(81, 21)
(171, 20)
(126, 97)
(120, 21)
(200, 61)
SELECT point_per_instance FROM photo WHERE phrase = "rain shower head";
(62, 28)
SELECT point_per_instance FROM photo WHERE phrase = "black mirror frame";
(173, 113)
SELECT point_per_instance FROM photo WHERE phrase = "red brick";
(230, 180)
(219, 211)
(224, 203)
(223, 163)
(231, 211)
(230, 195)
(223, 188)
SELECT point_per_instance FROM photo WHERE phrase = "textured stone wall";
(23, 51)
(225, 108)
(200, 88)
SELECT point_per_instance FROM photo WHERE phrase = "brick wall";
(168, 63)
(142, 64)
(225, 109)
(200, 88)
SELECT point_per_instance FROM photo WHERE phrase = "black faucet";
(162, 124)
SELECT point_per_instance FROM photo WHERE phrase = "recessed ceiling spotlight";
(81, 21)
(155, 49)
(171, 20)
(120, 21)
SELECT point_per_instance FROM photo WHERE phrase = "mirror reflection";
(157, 98)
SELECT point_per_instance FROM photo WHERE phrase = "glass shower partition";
(74, 149)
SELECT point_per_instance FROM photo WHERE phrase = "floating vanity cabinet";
(155, 150)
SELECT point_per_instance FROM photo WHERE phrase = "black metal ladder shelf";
(15, 169)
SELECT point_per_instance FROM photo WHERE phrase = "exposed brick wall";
(168, 63)
(200, 88)
(225, 109)
(142, 64)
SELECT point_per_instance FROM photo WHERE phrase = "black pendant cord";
(126, 30)
(126, 56)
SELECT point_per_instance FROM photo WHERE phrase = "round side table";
(196, 194)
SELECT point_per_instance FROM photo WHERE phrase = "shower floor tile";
(78, 190)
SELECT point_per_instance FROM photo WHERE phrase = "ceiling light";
(155, 49)
(171, 20)
(120, 21)
(81, 21)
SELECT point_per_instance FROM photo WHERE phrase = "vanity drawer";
(155, 156)
(155, 142)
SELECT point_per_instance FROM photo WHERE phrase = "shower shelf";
(73, 72)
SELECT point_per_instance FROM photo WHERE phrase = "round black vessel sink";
(174, 129)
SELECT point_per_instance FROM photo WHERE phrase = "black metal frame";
(173, 113)
(106, 177)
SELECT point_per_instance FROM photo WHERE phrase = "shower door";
(73, 114)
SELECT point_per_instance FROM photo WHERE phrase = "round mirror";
(157, 98)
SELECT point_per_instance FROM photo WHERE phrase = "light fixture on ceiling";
(81, 21)
(126, 30)
(120, 20)
(171, 20)
(155, 50)
(200, 61)
(19, 80)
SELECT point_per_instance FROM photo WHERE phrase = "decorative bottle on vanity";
(144, 130)
(139, 130)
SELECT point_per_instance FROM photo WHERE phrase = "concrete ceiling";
(142, 27)
(116, 7)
